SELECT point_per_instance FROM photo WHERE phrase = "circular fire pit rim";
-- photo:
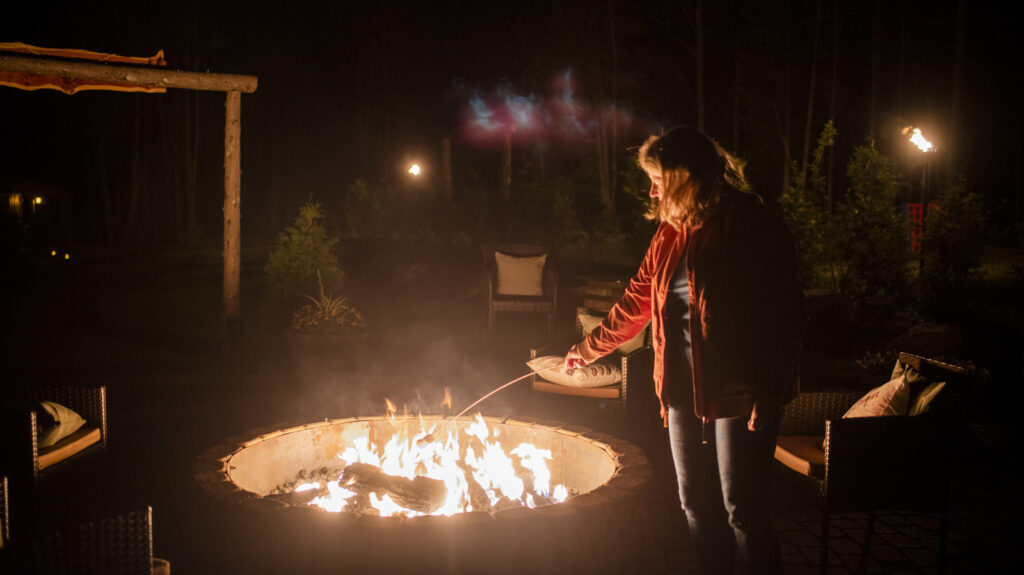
(632, 471)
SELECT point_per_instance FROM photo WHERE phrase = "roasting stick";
(430, 436)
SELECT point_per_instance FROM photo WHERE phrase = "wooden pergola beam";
(144, 76)
(234, 86)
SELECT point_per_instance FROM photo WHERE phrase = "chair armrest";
(888, 462)
(807, 412)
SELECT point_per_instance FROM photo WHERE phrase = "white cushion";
(589, 322)
(552, 368)
(923, 401)
(888, 399)
(63, 421)
(520, 276)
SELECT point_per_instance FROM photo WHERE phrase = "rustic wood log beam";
(145, 76)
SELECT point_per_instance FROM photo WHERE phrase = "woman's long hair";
(695, 173)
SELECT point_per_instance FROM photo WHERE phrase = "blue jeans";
(725, 491)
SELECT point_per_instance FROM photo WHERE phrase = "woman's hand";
(573, 359)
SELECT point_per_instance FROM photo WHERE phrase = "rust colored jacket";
(746, 309)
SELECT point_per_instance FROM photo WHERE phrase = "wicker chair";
(116, 545)
(869, 464)
(21, 452)
(42, 477)
(499, 303)
(637, 368)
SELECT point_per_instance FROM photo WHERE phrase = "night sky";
(351, 90)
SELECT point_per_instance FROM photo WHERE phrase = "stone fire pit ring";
(598, 530)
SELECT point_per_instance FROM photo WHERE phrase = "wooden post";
(232, 212)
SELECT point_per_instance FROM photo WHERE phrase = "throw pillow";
(56, 422)
(922, 402)
(888, 399)
(520, 276)
(589, 322)
(552, 368)
(922, 391)
(906, 369)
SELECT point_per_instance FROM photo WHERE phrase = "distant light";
(414, 169)
(38, 200)
(67, 256)
(53, 252)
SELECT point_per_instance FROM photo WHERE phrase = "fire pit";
(599, 527)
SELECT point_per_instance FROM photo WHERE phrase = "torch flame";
(392, 410)
(918, 139)
(447, 401)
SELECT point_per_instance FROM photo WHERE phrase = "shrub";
(804, 208)
(951, 251)
(302, 252)
(870, 240)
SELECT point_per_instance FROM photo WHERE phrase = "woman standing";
(720, 285)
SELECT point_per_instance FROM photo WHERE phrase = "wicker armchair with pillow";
(889, 449)
(50, 435)
(608, 379)
(519, 279)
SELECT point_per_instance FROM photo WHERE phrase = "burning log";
(420, 494)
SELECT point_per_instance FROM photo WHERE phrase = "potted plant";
(328, 317)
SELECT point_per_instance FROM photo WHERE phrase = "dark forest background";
(351, 92)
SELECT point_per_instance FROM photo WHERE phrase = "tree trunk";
(805, 161)
(101, 169)
(136, 168)
(876, 55)
(698, 18)
(830, 184)
(191, 231)
(952, 139)
(506, 170)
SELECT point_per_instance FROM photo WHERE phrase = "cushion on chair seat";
(604, 392)
(802, 453)
(161, 566)
(68, 446)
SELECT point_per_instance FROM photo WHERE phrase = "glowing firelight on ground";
(415, 169)
(472, 454)
(918, 139)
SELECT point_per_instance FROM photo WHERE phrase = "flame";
(474, 456)
(447, 401)
(414, 169)
(391, 409)
(918, 139)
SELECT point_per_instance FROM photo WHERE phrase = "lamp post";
(915, 137)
